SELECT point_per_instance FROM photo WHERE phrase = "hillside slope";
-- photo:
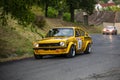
(16, 41)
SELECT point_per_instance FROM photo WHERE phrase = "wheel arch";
(87, 43)
(71, 44)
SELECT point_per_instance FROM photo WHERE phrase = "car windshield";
(110, 27)
(60, 32)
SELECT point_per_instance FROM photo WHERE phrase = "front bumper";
(50, 51)
(108, 32)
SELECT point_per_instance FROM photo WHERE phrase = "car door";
(82, 36)
(79, 39)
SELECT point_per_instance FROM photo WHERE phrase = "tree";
(61, 6)
(116, 1)
(87, 7)
(45, 4)
(19, 9)
(72, 4)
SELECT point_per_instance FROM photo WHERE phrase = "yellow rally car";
(67, 41)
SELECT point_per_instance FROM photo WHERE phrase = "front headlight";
(62, 43)
(111, 30)
(36, 45)
(104, 29)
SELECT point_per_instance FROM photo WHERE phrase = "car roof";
(74, 27)
(64, 27)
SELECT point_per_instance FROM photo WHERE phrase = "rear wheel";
(38, 56)
(72, 52)
(88, 49)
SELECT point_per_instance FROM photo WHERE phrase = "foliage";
(66, 16)
(40, 21)
(19, 9)
(117, 1)
(73, 3)
(52, 13)
(111, 8)
(13, 44)
(37, 10)
(115, 8)
(105, 1)
(61, 7)
(45, 4)
(87, 5)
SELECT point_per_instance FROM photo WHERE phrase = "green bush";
(66, 16)
(113, 8)
(52, 13)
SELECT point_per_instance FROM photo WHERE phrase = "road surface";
(102, 64)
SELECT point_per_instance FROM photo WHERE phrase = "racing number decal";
(79, 43)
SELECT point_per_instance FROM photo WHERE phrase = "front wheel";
(88, 49)
(115, 33)
(72, 52)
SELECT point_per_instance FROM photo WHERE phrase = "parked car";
(110, 30)
(67, 41)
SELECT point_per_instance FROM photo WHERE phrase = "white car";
(110, 30)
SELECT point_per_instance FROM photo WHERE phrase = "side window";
(82, 33)
(77, 33)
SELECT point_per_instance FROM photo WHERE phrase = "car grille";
(49, 45)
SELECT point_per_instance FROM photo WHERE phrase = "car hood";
(53, 39)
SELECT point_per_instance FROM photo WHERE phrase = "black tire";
(38, 56)
(88, 49)
(72, 52)
(115, 33)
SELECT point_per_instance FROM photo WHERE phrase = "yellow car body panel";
(61, 44)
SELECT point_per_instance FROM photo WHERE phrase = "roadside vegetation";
(16, 40)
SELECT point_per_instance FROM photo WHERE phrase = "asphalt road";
(104, 58)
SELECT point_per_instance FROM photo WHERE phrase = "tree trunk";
(60, 13)
(46, 9)
(72, 13)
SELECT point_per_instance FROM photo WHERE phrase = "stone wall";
(98, 18)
